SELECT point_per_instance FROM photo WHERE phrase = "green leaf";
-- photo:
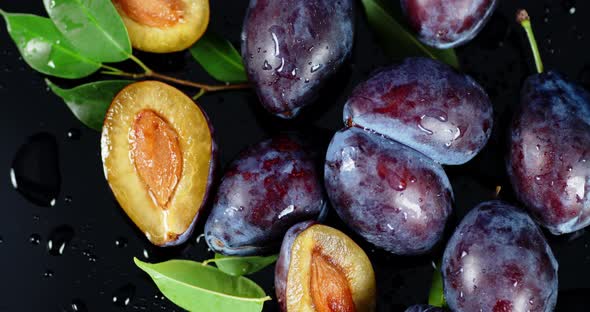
(397, 41)
(90, 102)
(238, 266)
(197, 287)
(45, 49)
(219, 58)
(436, 297)
(93, 26)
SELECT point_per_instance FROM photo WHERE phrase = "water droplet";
(266, 66)
(315, 68)
(35, 239)
(58, 239)
(401, 186)
(146, 254)
(35, 170)
(464, 254)
(569, 168)
(294, 72)
(1, 240)
(572, 10)
(121, 242)
(78, 305)
(68, 199)
(48, 273)
(538, 178)
(123, 296)
(73, 134)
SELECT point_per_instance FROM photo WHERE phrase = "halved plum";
(158, 155)
(321, 269)
(164, 26)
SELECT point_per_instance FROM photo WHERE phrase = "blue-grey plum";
(447, 23)
(498, 260)
(393, 196)
(267, 189)
(549, 157)
(427, 106)
(291, 47)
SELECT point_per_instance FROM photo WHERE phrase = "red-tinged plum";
(447, 23)
(321, 269)
(549, 158)
(267, 189)
(498, 260)
(423, 308)
(291, 47)
(427, 106)
(391, 195)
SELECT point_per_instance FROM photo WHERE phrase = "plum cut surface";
(393, 196)
(445, 24)
(498, 260)
(549, 159)
(290, 48)
(267, 189)
(158, 155)
(164, 26)
(321, 269)
(427, 106)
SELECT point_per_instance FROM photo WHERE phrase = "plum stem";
(140, 63)
(523, 18)
(152, 74)
(436, 297)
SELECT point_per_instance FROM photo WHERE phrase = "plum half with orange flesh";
(163, 26)
(158, 155)
(320, 269)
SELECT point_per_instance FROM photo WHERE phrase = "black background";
(93, 269)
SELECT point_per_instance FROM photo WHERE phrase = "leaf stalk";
(523, 18)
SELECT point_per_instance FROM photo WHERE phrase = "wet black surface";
(94, 270)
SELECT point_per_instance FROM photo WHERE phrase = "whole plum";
(291, 47)
(498, 260)
(447, 23)
(549, 157)
(393, 196)
(427, 106)
(266, 190)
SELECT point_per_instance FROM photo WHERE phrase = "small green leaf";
(90, 102)
(45, 49)
(219, 58)
(436, 297)
(93, 26)
(238, 266)
(197, 287)
(397, 41)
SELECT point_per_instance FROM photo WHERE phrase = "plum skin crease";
(391, 195)
(427, 106)
(549, 156)
(290, 49)
(446, 24)
(498, 260)
(267, 189)
(423, 308)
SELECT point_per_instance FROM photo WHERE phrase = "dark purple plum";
(427, 106)
(291, 47)
(393, 196)
(447, 23)
(423, 308)
(498, 260)
(321, 269)
(266, 190)
(549, 158)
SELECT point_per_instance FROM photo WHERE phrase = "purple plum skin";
(284, 262)
(549, 158)
(498, 260)
(391, 195)
(446, 24)
(267, 189)
(291, 47)
(423, 308)
(427, 106)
